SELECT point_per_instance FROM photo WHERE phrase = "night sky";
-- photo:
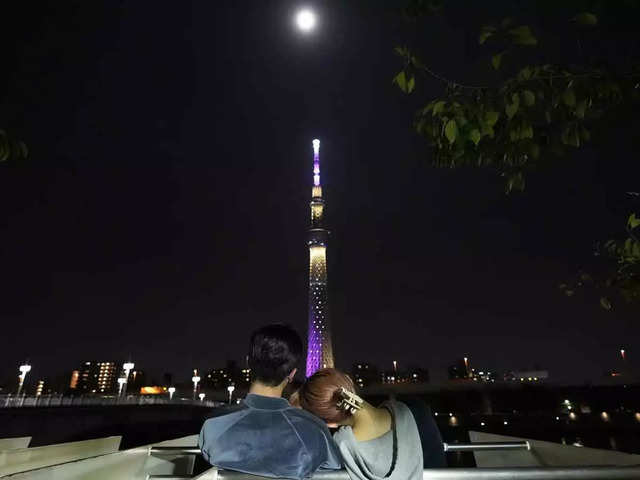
(163, 211)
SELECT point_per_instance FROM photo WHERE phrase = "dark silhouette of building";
(365, 374)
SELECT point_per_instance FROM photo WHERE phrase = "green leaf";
(401, 80)
(522, 36)
(605, 303)
(515, 182)
(438, 106)
(569, 97)
(485, 33)
(487, 130)
(586, 19)
(475, 136)
(510, 109)
(525, 73)
(402, 51)
(491, 118)
(529, 98)
(496, 60)
(526, 132)
(451, 131)
(633, 221)
(411, 84)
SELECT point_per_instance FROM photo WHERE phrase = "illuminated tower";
(319, 349)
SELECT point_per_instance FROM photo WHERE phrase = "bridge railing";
(55, 400)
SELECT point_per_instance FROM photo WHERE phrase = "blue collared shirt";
(267, 436)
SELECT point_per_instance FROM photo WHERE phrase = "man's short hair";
(275, 352)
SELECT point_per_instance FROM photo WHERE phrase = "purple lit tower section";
(319, 347)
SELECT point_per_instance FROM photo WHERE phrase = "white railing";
(54, 400)
(175, 459)
(21, 459)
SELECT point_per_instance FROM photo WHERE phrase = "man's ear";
(292, 374)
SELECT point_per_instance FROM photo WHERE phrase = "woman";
(375, 442)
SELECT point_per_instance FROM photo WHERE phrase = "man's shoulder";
(225, 410)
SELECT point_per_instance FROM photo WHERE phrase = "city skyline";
(87, 376)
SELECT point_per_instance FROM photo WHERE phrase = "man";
(265, 435)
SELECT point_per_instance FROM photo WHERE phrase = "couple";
(266, 435)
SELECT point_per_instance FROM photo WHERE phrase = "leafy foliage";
(625, 279)
(531, 115)
(11, 149)
(534, 114)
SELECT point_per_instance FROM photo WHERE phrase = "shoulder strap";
(394, 458)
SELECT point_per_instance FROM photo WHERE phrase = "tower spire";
(319, 346)
(317, 188)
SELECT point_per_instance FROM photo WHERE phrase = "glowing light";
(604, 416)
(316, 146)
(622, 353)
(171, 391)
(637, 415)
(121, 383)
(505, 422)
(202, 395)
(453, 421)
(306, 20)
(482, 424)
(152, 390)
(572, 416)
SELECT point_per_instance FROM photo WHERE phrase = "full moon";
(306, 20)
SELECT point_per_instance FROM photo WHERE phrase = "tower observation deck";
(319, 347)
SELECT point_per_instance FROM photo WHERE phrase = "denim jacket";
(267, 436)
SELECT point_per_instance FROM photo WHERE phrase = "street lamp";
(121, 383)
(395, 366)
(24, 369)
(127, 367)
(195, 379)
(172, 390)
(230, 389)
(202, 395)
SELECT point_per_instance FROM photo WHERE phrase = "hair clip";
(349, 401)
